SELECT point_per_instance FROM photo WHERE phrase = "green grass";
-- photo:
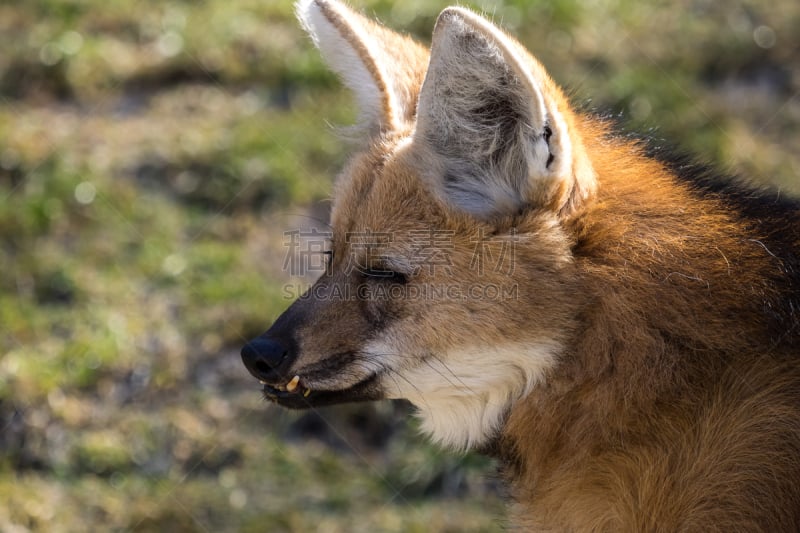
(152, 154)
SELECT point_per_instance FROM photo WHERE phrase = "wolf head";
(450, 280)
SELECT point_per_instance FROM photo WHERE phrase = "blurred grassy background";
(151, 155)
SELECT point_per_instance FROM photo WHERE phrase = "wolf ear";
(383, 68)
(498, 128)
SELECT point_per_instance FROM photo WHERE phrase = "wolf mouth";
(305, 398)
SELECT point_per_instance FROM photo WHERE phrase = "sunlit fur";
(643, 377)
(462, 398)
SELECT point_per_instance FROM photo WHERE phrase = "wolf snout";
(266, 358)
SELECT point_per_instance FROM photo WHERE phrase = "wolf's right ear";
(383, 68)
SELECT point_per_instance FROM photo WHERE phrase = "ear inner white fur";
(383, 68)
(498, 140)
(350, 51)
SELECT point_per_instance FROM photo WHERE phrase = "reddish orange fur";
(670, 301)
(637, 433)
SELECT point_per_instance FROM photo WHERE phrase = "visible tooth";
(262, 381)
(306, 393)
(292, 385)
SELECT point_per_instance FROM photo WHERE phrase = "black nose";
(263, 357)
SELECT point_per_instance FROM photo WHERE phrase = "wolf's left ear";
(383, 68)
(498, 131)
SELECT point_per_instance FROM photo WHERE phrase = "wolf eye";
(379, 274)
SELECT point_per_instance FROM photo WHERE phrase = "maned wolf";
(621, 332)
